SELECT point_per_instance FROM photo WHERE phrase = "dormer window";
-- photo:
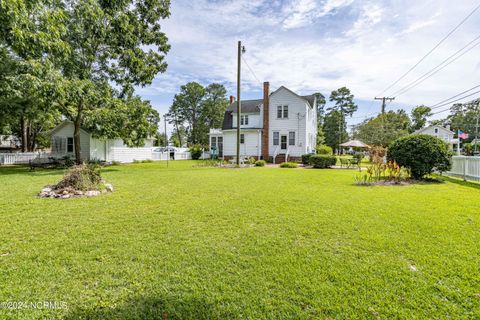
(244, 120)
(282, 112)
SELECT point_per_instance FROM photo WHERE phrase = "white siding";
(97, 149)
(254, 120)
(251, 148)
(67, 130)
(296, 122)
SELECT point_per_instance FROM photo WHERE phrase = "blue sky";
(319, 45)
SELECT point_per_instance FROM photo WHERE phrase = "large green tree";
(198, 109)
(118, 42)
(333, 131)
(95, 44)
(419, 117)
(320, 117)
(345, 106)
(384, 128)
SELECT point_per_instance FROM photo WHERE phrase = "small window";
(291, 138)
(69, 144)
(214, 142)
(436, 130)
(242, 138)
(276, 138)
(244, 120)
(282, 112)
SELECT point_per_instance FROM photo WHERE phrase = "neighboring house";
(9, 143)
(440, 132)
(96, 149)
(281, 126)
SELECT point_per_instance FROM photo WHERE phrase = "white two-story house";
(280, 127)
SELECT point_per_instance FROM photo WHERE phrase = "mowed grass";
(257, 243)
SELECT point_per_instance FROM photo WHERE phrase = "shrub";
(324, 149)
(421, 154)
(115, 163)
(251, 160)
(322, 161)
(195, 151)
(147, 161)
(288, 165)
(358, 155)
(306, 159)
(376, 154)
(260, 163)
(81, 177)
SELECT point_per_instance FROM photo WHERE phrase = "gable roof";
(310, 99)
(63, 124)
(248, 106)
(434, 126)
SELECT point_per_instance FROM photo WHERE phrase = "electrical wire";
(251, 70)
(431, 50)
(438, 68)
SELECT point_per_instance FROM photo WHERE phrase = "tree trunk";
(178, 131)
(24, 134)
(29, 137)
(76, 134)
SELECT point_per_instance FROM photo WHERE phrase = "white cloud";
(320, 45)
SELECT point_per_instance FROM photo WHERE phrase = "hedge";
(322, 161)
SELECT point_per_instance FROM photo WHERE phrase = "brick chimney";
(232, 99)
(266, 113)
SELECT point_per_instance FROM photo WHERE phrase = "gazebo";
(355, 144)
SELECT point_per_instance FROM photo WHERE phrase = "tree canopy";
(197, 109)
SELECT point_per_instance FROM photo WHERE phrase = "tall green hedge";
(322, 161)
(421, 153)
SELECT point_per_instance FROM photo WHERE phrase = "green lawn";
(258, 243)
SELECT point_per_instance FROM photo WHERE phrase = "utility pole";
(384, 99)
(166, 140)
(239, 105)
(476, 129)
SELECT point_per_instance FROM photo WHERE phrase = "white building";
(440, 132)
(96, 149)
(281, 126)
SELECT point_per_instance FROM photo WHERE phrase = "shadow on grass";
(151, 308)
(25, 170)
(459, 181)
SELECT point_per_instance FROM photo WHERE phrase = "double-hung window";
(69, 144)
(244, 120)
(242, 138)
(276, 138)
(291, 138)
(282, 112)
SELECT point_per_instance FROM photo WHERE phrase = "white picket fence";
(18, 157)
(465, 167)
(162, 156)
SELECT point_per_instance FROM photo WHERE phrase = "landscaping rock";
(92, 193)
(109, 187)
(46, 190)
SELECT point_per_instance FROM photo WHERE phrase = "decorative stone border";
(51, 192)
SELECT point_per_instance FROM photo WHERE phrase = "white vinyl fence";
(18, 158)
(162, 156)
(465, 167)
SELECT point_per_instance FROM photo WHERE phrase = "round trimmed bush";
(306, 158)
(324, 149)
(196, 151)
(288, 165)
(321, 161)
(420, 153)
(260, 163)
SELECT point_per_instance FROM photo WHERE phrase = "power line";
(438, 68)
(455, 96)
(432, 50)
(450, 102)
(251, 70)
